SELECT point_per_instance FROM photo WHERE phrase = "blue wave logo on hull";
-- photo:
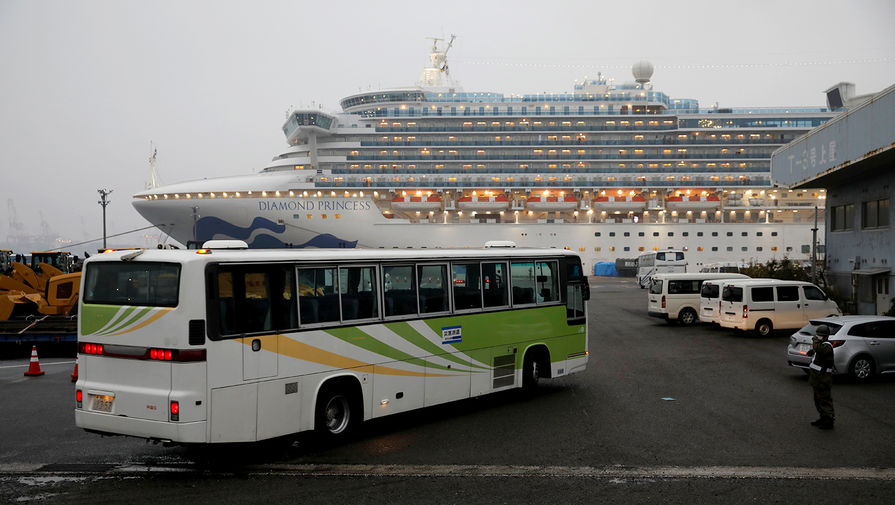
(208, 227)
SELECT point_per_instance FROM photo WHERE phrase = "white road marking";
(493, 471)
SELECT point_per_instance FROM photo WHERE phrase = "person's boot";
(826, 424)
(817, 422)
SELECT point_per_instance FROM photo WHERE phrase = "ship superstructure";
(607, 170)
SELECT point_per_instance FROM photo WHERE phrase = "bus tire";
(764, 328)
(535, 366)
(337, 411)
(687, 317)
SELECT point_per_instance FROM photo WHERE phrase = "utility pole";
(103, 193)
(814, 249)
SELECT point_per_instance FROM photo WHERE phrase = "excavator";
(49, 285)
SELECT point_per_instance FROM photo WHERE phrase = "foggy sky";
(85, 86)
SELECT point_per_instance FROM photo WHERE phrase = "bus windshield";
(132, 283)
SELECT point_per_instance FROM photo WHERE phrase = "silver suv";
(862, 345)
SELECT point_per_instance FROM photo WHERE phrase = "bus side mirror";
(585, 292)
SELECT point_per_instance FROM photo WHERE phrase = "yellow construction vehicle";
(47, 287)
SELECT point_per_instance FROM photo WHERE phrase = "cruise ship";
(608, 170)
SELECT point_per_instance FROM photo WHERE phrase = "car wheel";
(764, 328)
(687, 317)
(861, 368)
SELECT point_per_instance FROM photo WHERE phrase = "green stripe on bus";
(130, 317)
(356, 336)
(95, 317)
(414, 337)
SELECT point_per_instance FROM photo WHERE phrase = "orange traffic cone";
(74, 375)
(34, 367)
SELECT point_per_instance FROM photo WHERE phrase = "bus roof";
(322, 255)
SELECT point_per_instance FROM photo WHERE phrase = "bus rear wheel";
(336, 412)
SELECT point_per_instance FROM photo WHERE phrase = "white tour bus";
(659, 262)
(765, 305)
(675, 297)
(218, 345)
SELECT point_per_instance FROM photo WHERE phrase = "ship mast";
(431, 77)
(153, 174)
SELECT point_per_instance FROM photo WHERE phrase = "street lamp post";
(103, 193)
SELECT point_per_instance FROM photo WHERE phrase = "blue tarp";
(605, 269)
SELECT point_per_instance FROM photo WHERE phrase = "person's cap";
(822, 331)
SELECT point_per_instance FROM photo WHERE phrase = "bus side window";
(433, 296)
(358, 293)
(399, 290)
(467, 286)
(494, 285)
(255, 309)
(317, 298)
(523, 281)
(226, 304)
(546, 280)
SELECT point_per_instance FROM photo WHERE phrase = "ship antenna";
(444, 65)
(153, 174)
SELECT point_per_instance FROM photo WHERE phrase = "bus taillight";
(161, 354)
(663, 301)
(91, 348)
(175, 411)
(745, 311)
(79, 397)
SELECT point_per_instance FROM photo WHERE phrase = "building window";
(843, 217)
(875, 213)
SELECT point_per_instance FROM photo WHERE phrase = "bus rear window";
(132, 283)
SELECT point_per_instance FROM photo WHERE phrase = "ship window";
(759, 233)
(745, 233)
(714, 234)
(671, 234)
(627, 234)
(640, 234)
(686, 234)
(699, 234)
(612, 234)
(715, 249)
(596, 234)
(655, 234)
(773, 234)
(730, 234)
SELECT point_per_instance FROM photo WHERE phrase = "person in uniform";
(820, 376)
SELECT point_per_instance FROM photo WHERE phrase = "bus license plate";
(103, 403)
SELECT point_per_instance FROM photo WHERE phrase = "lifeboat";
(552, 203)
(635, 202)
(695, 202)
(483, 203)
(431, 202)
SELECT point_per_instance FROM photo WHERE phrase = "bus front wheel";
(535, 366)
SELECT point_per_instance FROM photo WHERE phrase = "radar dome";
(643, 71)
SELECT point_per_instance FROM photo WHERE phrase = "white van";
(710, 299)
(675, 297)
(765, 305)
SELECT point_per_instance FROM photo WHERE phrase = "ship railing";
(529, 157)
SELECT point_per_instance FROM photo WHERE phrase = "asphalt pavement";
(663, 414)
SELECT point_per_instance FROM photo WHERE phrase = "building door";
(883, 299)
